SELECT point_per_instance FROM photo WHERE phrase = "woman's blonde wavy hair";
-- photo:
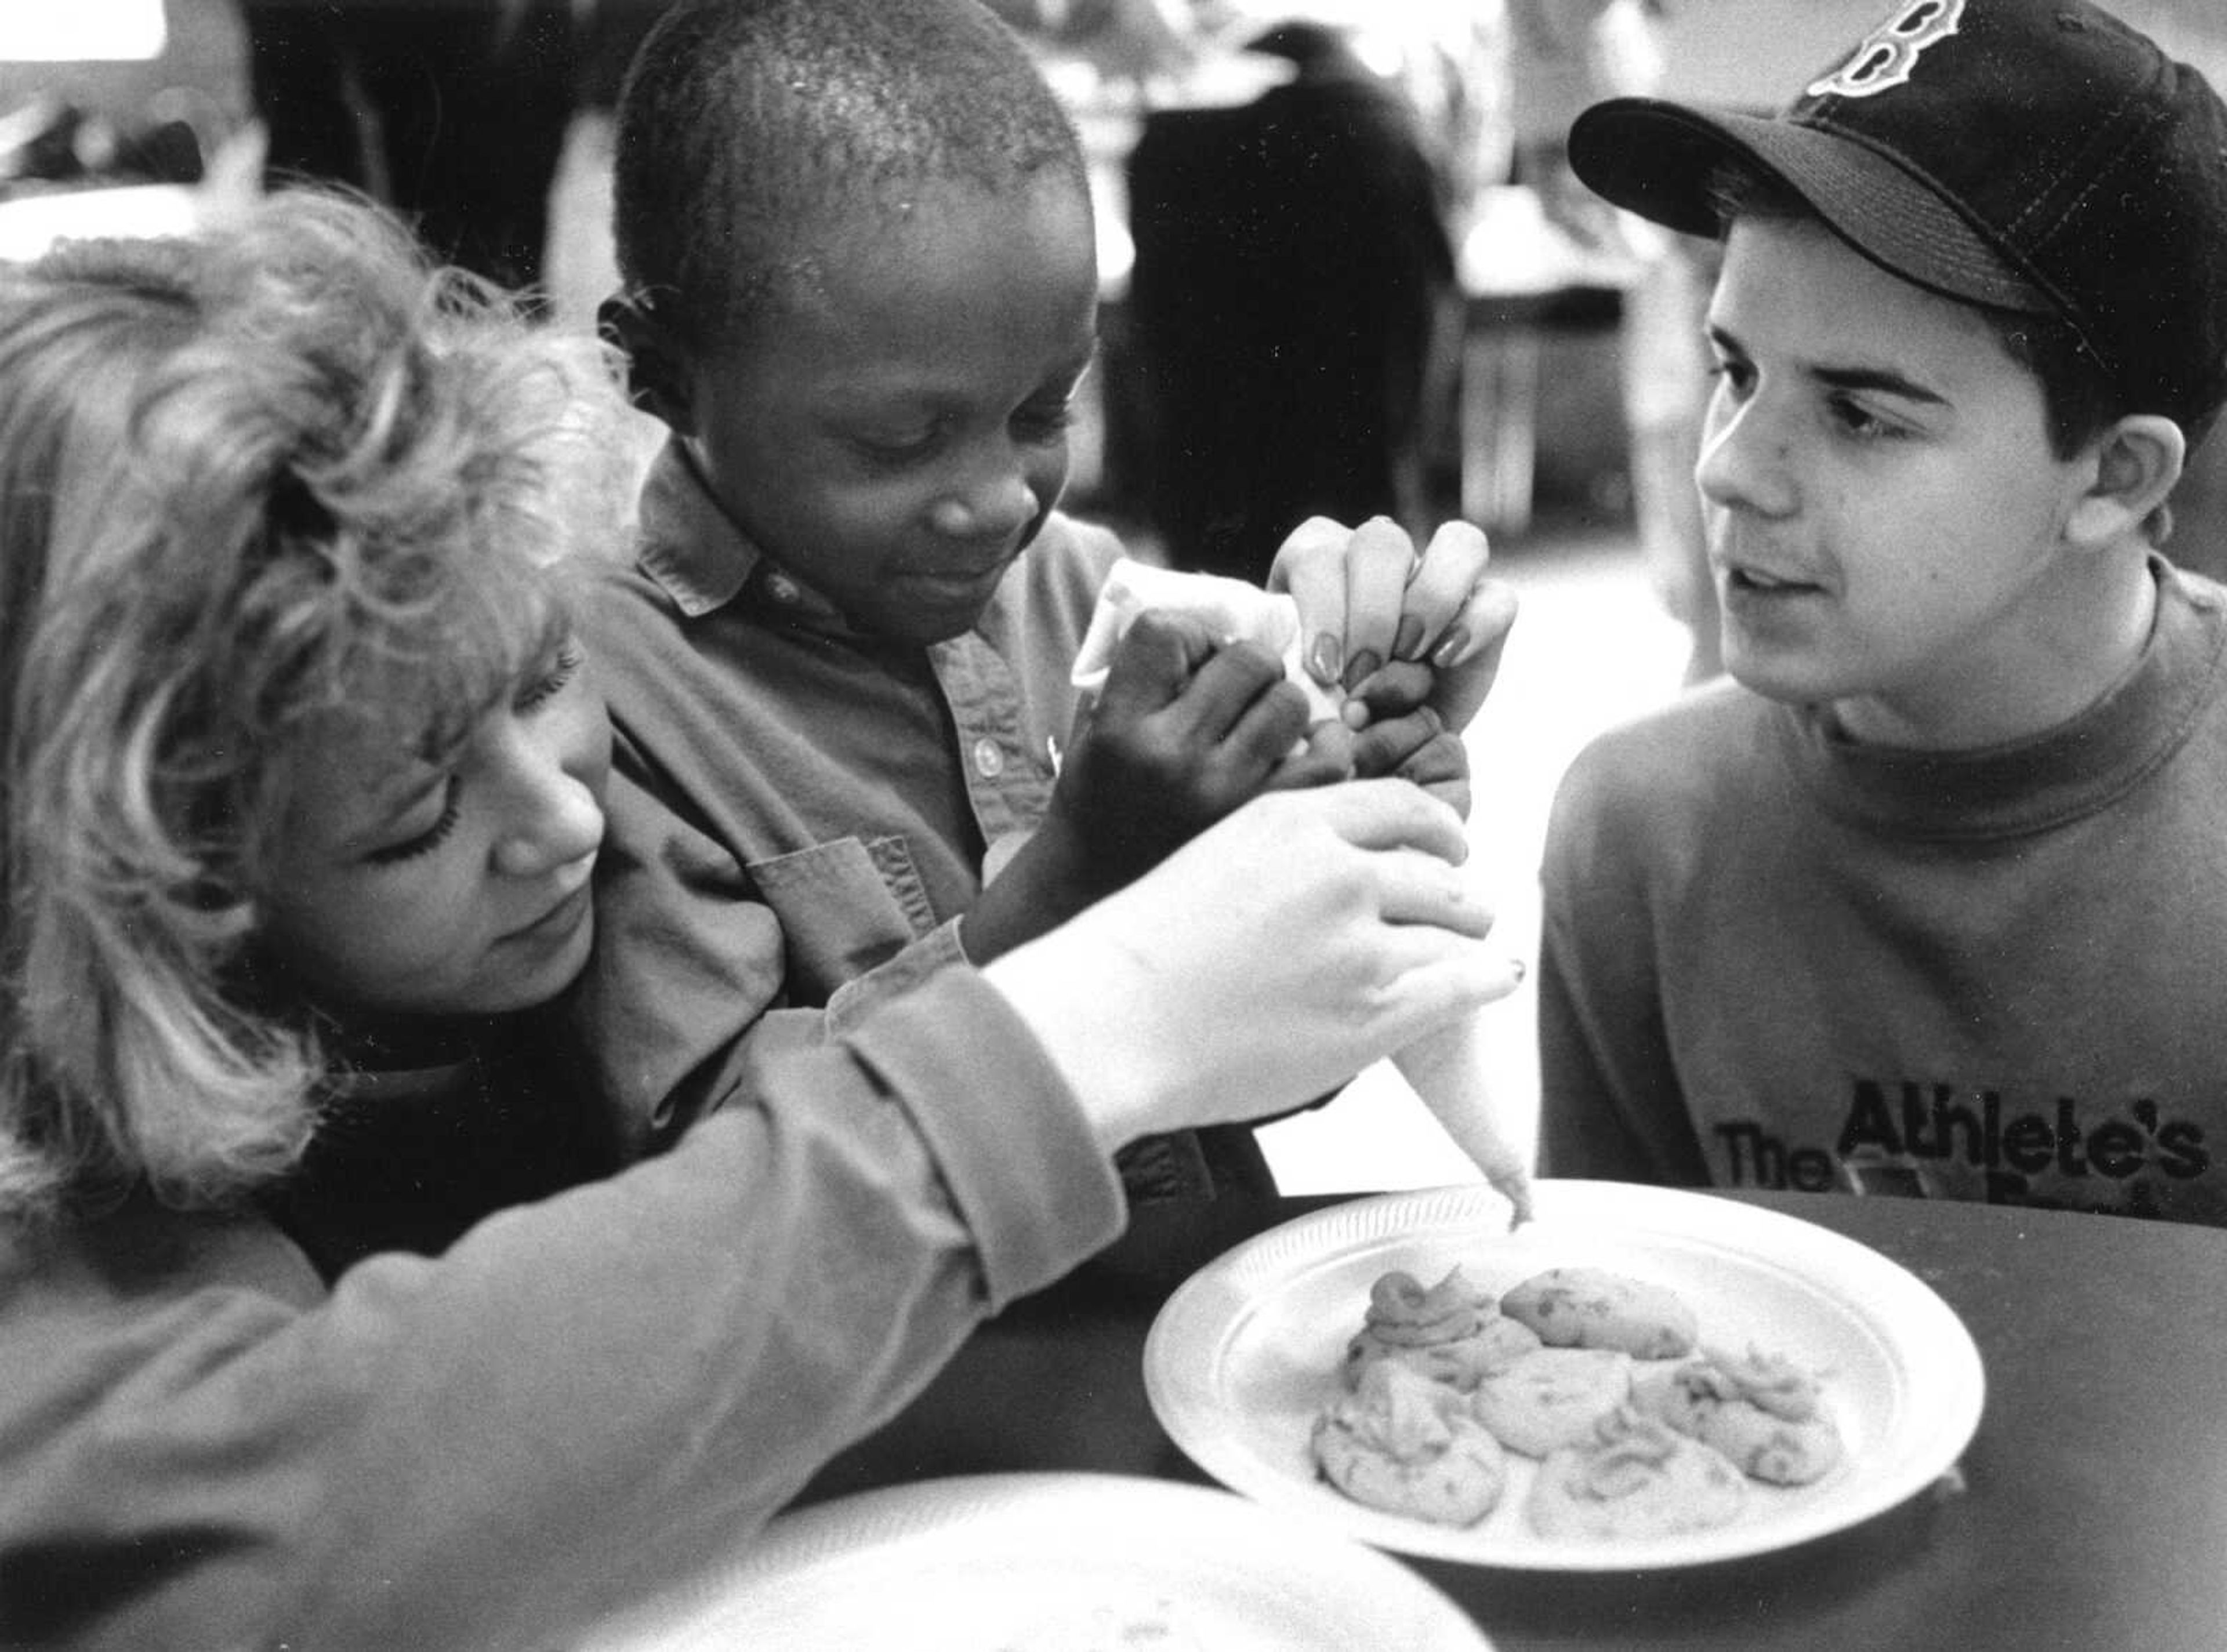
(248, 484)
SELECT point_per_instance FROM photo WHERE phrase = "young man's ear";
(657, 377)
(2137, 462)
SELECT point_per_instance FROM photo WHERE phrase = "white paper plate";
(1245, 1355)
(1050, 1563)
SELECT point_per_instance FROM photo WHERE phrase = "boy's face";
(1884, 510)
(895, 434)
(402, 887)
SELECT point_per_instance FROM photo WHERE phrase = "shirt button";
(989, 758)
(783, 587)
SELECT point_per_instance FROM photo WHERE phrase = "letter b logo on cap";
(1885, 57)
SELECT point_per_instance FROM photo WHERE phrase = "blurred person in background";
(1293, 278)
(453, 111)
(1561, 56)
(1133, 40)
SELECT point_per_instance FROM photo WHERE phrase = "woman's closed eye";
(425, 842)
(548, 685)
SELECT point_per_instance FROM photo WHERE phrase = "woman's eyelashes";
(425, 842)
(548, 685)
(535, 690)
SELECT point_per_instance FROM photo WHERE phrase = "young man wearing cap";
(1932, 898)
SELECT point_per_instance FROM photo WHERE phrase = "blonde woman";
(329, 1315)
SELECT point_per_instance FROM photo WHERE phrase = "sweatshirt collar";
(2040, 780)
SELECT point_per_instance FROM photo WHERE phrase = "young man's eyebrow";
(1881, 381)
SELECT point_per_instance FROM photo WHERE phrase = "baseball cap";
(2034, 156)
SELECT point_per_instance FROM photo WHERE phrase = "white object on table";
(1244, 1355)
(30, 224)
(1048, 1563)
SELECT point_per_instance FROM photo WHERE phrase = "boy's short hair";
(2033, 158)
(741, 121)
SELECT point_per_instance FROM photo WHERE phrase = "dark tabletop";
(2093, 1513)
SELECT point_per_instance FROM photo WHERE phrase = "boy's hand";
(1404, 735)
(1367, 600)
(1185, 731)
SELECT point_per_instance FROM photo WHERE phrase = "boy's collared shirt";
(800, 814)
(704, 564)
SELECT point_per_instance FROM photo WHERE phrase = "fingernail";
(1450, 647)
(1363, 667)
(1326, 656)
(1409, 639)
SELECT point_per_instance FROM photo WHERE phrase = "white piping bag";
(1446, 1069)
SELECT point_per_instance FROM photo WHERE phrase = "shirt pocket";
(845, 907)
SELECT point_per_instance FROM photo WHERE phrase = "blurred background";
(1343, 269)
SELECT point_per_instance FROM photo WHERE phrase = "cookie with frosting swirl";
(1633, 1477)
(1763, 1412)
(1450, 1332)
(1406, 1444)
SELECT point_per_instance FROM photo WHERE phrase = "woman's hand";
(1271, 958)
(1367, 600)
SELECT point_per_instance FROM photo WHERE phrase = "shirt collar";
(697, 555)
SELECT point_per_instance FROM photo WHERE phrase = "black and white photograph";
(1113, 825)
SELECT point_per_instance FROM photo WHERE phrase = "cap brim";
(1661, 159)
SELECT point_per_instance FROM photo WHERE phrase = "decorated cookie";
(1633, 1477)
(1451, 1333)
(1591, 1307)
(1406, 1444)
(1762, 1412)
(1553, 1397)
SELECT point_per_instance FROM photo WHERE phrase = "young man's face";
(401, 887)
(1884, 510)
(895, 435)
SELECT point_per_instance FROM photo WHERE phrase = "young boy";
(861, 291)
(1932, 898)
